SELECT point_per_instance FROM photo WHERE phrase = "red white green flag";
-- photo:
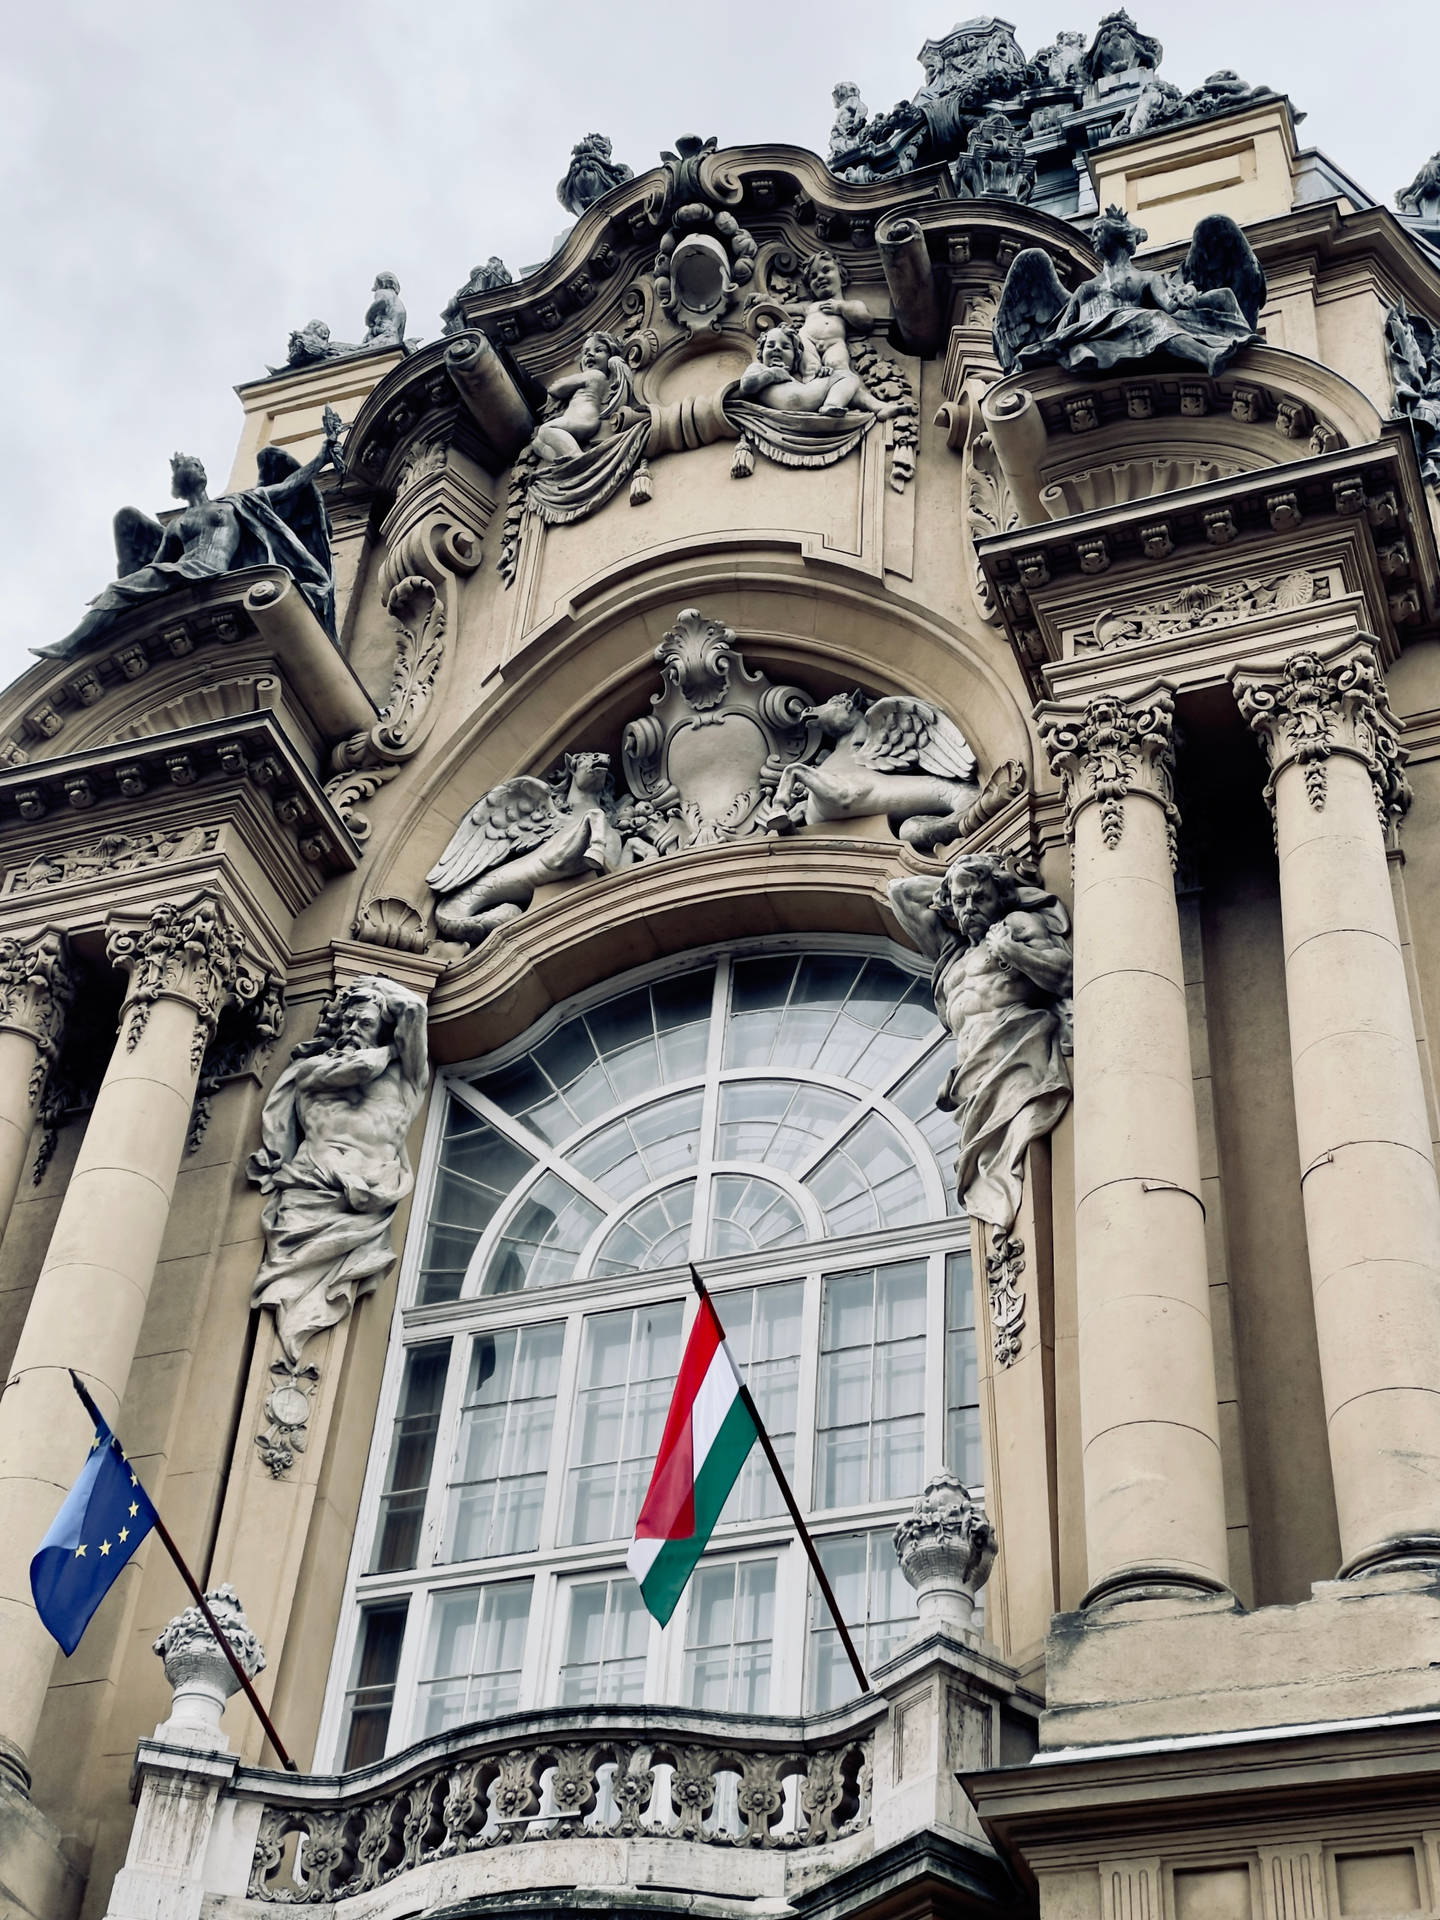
(708, 1434)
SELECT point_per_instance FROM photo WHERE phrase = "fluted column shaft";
(1154, 1498)
(184, 964)
(1372, 1207)
(35, 993)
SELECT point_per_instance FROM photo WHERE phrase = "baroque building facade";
(868, 725)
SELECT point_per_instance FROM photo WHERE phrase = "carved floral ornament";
(723, 754)
(36, 991)
(1314, 707)
(188, 952)
(1109, 749)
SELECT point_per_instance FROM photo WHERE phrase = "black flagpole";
(748, 1401)
(201, 1602)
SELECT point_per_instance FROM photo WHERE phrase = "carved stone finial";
(1109, 749)
(946, 1547)
(201, 1677)
(186, 952)
(1313, 707)
(36, 989)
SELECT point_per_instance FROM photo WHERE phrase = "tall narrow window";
(963, 1454)
(472, 1655)
(605, 1644)
(730, 1631)
(876, 1603)
(370, 1697)
(870, 1428)
(412, 1454)
(497, 1487)
(762, 1325)
(628, 1365)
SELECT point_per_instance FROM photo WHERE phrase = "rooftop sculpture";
(483, 279)
(312, 345)
(591, 174)
(281, 522)
(1414, 349)
(1422, 196)
(1201, 314)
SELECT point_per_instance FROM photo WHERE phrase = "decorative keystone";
(946, 1547)
(201, 1678)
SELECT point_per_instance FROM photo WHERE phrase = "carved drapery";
(1110, 748)
(188, 952)
(1315, 706)
(36, 990)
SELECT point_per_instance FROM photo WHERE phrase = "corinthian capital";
(1109, 748)
(1316, 704)
(36, 989)
(186, 952)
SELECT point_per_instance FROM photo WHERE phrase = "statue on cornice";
(851, 114)
(579, 402)
(332, 1159)
(1158, 104)
(526, 832)
(1413, 344)
(281, 522)
(1002, 970)
(385, 316)
(1120, 47)
(591, 174)
(1201, 314)
(483, 279)
(1422, 196)
(993, 165)
(1061, 64)
(897, 756)
(976, 64)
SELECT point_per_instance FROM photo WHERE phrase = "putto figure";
(282, 522)
(527, 831)
(1002, 983)
(580, 401)
(332, 1159)
(1202, 314)
(784, 377)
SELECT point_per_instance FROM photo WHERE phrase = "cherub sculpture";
(528, 831)
(591, 174)
(281, 522)
(1422, 196)
(784, 377)
(1414, 349)
(579, 402)
(851, 114)
(1200, 315)
(1002, 983)
(895, 756)
(332, 1159)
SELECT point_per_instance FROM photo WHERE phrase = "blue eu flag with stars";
(107, 1513)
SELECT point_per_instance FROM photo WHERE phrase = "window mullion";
(557, 1477)
(937, 1340)
(442, 1461)
(402, 1713)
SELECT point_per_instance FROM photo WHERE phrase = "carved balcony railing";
(721, 1782)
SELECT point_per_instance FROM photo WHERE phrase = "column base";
(1403, 1551)
(14, 1767)
(1153, 1583)
(37, 1879)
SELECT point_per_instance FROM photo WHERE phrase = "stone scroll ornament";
(1001, 975)
(281, 522)
(1201, 314)
(333, 1166)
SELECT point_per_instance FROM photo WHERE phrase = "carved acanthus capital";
(36, 989)
(1110, 748)
(946, 1547)
(1315, 705)
(188, 952)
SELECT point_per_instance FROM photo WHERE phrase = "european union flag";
(107, 1513)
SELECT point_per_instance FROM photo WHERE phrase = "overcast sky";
(181, 185)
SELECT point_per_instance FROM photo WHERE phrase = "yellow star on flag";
(124, 1533)
(80, 1551)
(104, 1546)
(133, 1509)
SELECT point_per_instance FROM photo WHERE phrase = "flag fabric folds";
(708, 1433)
(107, 1513)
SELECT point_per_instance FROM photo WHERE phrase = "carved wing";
(904, 733)
(1030, 301)
(138, 539)
(513, 818)
(1221, 256)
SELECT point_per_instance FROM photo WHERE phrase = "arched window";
(772, 1116)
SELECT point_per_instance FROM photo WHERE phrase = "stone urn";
(200, 1676)
(946, 1547)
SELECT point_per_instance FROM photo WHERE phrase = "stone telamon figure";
(281, 522)
(332, 1160)
(1002, 981)
(591, 174)
(1201, 314)
(1414, 352)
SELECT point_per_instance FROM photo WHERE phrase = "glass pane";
(780, 1123)
(869, 1182)
(473, 1654)
(497, 1482)
(870, 1416)
(371, 1695)
(652, 1235)
(478, 1168)
(762, 1326)
(876, 1602)
(628, 1363)
(412, 1453)
(729, 1629)
(643, 1147)
(606, 1644)
(539, 1247)
(963, 1454)
(747, 1214)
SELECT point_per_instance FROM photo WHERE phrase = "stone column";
(36, 989)
(1154, 1498)
(184, 964)
(1367, 1168)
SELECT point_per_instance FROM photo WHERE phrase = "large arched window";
(770, 1115)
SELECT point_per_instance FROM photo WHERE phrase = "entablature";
(1105, 597)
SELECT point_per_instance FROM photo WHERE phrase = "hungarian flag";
(708, 1433)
